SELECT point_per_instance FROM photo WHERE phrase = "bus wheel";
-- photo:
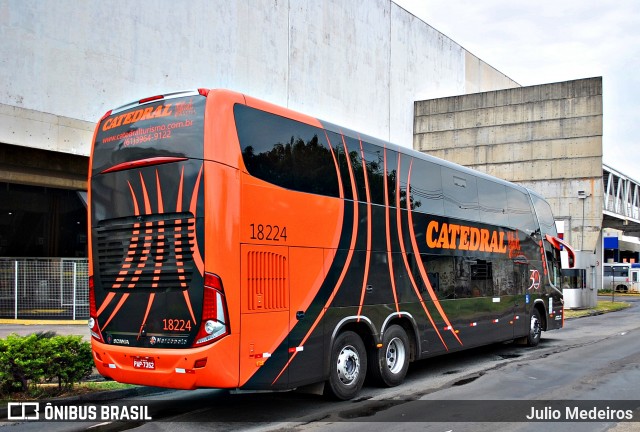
(392, 360)
(348, 366)
(535, 329)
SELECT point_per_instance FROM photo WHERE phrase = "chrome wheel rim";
(395, 355)
(348, 365)
(535, 327)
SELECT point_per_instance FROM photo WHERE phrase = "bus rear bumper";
(185, 369)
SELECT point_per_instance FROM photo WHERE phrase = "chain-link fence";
(44, 288)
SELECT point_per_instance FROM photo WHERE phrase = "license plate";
(147, 363)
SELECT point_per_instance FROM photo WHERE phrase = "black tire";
(348, 367)
(389, 364)
(622, 288)
(535, 328)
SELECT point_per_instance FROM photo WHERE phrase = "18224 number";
(268, 232)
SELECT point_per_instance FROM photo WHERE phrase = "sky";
(546, 41)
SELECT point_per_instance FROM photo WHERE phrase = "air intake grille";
(149, 252)
(267, 281)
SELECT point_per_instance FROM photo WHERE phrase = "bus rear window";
(171, 127)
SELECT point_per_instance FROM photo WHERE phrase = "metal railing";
(44, 288)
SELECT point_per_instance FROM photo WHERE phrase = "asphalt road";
(60, 327)
(592, 363)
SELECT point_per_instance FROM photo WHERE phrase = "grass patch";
(601, 307)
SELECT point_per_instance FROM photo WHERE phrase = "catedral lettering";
(462, 237)
(137, 116)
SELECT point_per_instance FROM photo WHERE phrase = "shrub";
(31, 360)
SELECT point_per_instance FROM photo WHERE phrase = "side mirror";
(559, 244)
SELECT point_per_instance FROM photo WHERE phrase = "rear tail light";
(107, 114)
(215, 320)
(93, 313)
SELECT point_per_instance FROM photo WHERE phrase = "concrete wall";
(358, 63)
(546, 137)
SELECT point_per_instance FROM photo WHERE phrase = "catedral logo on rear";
(177, 110)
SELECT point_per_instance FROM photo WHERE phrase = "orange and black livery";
(237, 244)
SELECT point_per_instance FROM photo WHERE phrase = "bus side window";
(460, 194)
(426, 188)
(285, 152)
(521, 213)
(374, 164)
(492, 197)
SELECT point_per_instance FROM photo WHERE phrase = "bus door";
(264, 326)
(635, 280)
(526, 278)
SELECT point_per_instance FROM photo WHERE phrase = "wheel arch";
(361, 325)
(408, 323)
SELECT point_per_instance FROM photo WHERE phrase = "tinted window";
(392, 175)
(168, 127)
(402, 178)
(335, 141)
(373, 156)
(355, 155)
(621, 271)
(520, 212)
(545, 216)
(492, 198)
(286, 152)
(426, 187)
(460, 194)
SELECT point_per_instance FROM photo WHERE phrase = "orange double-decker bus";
(236, 244)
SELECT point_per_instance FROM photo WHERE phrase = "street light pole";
(582, 196)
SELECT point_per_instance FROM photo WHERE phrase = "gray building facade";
(358, 63)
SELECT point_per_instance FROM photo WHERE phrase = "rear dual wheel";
(389, 364)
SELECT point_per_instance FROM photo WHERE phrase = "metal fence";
(44, 288)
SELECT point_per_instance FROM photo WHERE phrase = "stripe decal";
(423, 271)
(345, 269)
(404, 254)
(129, 275)
(388, 229)
(367, 260)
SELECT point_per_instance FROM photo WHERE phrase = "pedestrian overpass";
(621, 202)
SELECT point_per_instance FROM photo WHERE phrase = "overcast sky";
(545, 41)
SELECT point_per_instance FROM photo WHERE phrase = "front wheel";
(390, 363)
(348, 366)
(535, 329)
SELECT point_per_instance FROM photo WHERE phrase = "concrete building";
(546, 137)
(357, 63)
(361, 63)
